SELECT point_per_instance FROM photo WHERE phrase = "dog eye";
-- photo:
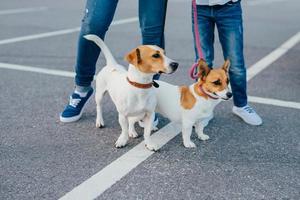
(217, 82)
(157, 55)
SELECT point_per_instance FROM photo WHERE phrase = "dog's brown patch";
(147, 59)
(187, 99)
(216, 80)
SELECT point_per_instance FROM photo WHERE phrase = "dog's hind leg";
(123, 138)
(98, 97)
(187, 127)
(199, 126)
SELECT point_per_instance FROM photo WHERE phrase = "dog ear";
(226, 65)
(134, 57)
(203, 69)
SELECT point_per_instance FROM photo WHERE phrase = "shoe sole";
(75, 118)
(70, 119)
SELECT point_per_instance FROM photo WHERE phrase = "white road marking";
(60, 32)
(274, 102)
(273, 56)
(105, 178)
(262, 2)
(54, 72)
(22, 10)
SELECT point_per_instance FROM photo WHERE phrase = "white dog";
(131, 91)
(193, 105)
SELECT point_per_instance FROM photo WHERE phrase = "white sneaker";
(248, 115)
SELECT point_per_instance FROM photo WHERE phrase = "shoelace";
(74, 102)
(249, 109)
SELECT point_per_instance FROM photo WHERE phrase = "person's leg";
(206, 26)
(98, 16)
(230, 28)
(152, 16)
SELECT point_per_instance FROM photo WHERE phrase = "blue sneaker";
(73, 110)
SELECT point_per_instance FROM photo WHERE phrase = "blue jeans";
(97, 19)
(228, 20)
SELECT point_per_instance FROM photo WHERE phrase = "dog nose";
(174, 65)
(229, 94)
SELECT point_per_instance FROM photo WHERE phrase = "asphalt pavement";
(41, 158)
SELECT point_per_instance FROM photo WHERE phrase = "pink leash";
(192, 71)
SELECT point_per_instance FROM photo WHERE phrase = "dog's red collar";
(204, 92)
(142, 85)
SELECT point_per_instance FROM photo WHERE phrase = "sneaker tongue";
(81, 94)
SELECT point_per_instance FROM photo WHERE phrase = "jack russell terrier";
(193, 105)
(131, 91)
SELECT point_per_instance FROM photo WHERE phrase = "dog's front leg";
(148, 120)
(187, 127)
(132, 132)
(199, 126)
(123, 138)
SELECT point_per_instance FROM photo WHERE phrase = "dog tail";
(110, 60)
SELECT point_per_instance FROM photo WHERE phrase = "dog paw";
(133, 134)
(203, 137)
(150, 146)
(141, 124)
(189, 144)
(121, 142)
(99, 125)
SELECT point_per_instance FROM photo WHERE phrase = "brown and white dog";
(193, 105)
(131, 91)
